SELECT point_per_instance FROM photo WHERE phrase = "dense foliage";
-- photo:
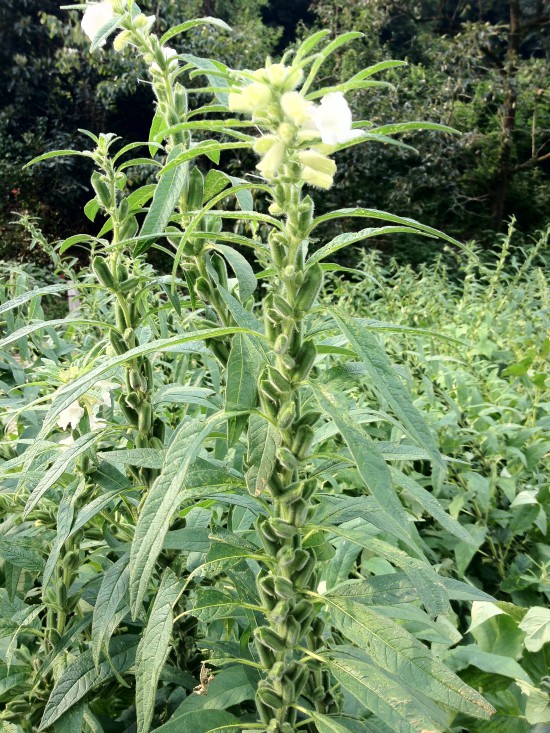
(482, 68)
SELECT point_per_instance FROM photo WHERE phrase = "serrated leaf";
(114, 587)
(153, 649)
(162, 501)
(395, 650)
(81, 677)
(264, 440)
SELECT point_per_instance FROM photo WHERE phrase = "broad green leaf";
(188, 539)
(215, 73)
(463, 656)
(243, 368)
(71, 721)
(162, 501)
(139, 457)
(536, 625)
(390, 388)
(29, 295)
(60, 465)
(212, 604)
(165, 199)
(390, 701)
(231, 686)
(395, 650)
(81, 677)
(21, 552)
(153, 649)
(114, 587)
(181, 394)
(104, 32)
(264, 440)
(378, 590)
(243, 271)
(200, 721)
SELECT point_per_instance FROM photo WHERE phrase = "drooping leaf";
(114, 587)
(264, 440)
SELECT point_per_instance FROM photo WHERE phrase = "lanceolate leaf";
(243, 369)
(81, 677)
(264, 439)
(395, 650)
(29, 295)
(201, 721)
(114, 587)
(162, 501)
(243, 271)
(387, 384)
(189, 24)
(343, 240)
(153, 649)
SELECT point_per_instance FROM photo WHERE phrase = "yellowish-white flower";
(322, 587)
(122, 40)
(318, 170)
(332, 119)
(251, 99)
(264, 143)
(71, 415)
(296, 108)
(168, 54)
(95, 17)
(271, 162)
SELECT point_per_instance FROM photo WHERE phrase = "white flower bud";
(316, 178)
(271, 162)
(320, 163)
(295, 107)
(168, 54)
(95, 17)
(250, 99)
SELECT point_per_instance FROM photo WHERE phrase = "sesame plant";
(208, 567)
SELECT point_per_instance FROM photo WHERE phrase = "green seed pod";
(117, 342)
(305, 214)
(145, 417)
(270, 639)
(270, 544)
(276, 486)
(121, 272)
(286, 557)
(287, 415)
(284, 589)
(129, 413)
(268, 391)
(302, 441)
(129, 284)
(219, 349)
(308, 488)
(302, 577)
(142, 441)
(71, 561)
(202, 288)
(102, 190)
(264, 711)
(218, 263)
(147, 370)
(282, 529)
(196, 190)
(159, 430)
(120, 318)
(304, 360)
(287, 691)
(123, 208)
(293, 631)
(180, 99)
(311, 417)
(134, 400)
(301, 558)
(309, 290)
(103, 273)
(128, 229)
(282, 306)
(288, 362)
(269, 697)
(136, 380)
(280, 613)
(267, 657)
(278, 253)
(302, 612)
(280, 346)
(266, 589)
(287, 459)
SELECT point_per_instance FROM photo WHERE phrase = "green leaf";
(264, 440)
(536, 625)
(200, 721)
(21, 552)
(114, 587)
(325, 53)
(81, 677)
(395, 650)
(65, 516)
(243, 368)
(231, 686)
(162, 501)
(390, 388)
(104, 32)
(59, 466)
(471, 654)
(244, 272)
(189, 24)
(400, 708)
(30, 294)
(394, 128)
(138, 457)
(153, 649)
(343, 240)
(71, 721)
(165, 199)
(56, 154)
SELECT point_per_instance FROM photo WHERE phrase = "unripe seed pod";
(289, 272)
(280, 613)
(302, 577)
(145, 417)
(180, 98)
(136, 380)
(147, 370)
(102, 190)
(218, 263)
(117, 342)
(277, 671)
(71, 561)
(304, 360)
(270, 639)
(120, 318)
(287, 414)
(123, 208)
(128, 229)
(159, 430)
(282, 306)
(302, 441)
(276, 486)
(308, 488)
(266, 589)
(301, 558)
(268, 391)
(280, 346)
(305, 215)
(287, 459)
(282, 529)
(219, 349)
(269, 697)
(302, 612)
(284, 589)
(142, 441)
(129, 413)
(286, 557)
(264, 711)
(121, 272)
(133, 400)
(129, 284)
(288, 691)
(202, 288)
(288, 362)
(271, 545)
(293, 631)
(267, 657)
(309, 290)
(311, 417)
(103, 273)
(278, 252)
(196, 190)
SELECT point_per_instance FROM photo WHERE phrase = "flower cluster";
(298, 130)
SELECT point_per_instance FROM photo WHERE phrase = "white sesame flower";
(322, 587)
(71, 415)
(95, 17)
(332, 119)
